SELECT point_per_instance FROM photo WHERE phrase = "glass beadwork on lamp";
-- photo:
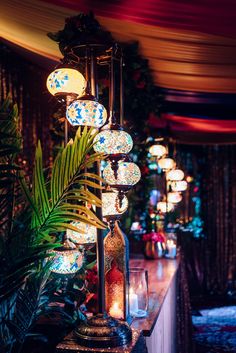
(66, 81)
(166, 164)
(174, 197)
(67, 260)
(86, 112)
(86, 234)
(112, 205)
(180, 185)
(113, 142)
(165, 207)
(158, 151)
(127, 174)
(175, 175)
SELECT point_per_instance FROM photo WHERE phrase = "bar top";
(161, 273)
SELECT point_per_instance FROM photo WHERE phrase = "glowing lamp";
(66, 81)
(165, 207)
(175, 175)
(174, 197)
(112, 206)
(86, 112)
(113, 142)
(166, 164)
(86, 234)
(180, 185)
(127, 174)
(157, 151)
(67, 259)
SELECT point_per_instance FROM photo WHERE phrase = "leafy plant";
(31, 228)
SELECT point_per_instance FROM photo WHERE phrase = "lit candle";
(171, 248)
(116, 311)
(133, 302)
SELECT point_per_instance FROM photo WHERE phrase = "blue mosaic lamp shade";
(87, 234)
(113, 142)
(67, 262)
(111, 205)
(86, 113)
(128, 174)
(65, 81)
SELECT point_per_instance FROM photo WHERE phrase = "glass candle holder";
(138, 292)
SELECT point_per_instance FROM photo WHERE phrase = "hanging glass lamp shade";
(111, 205)
(180, 185)
(165, 207)
(113, 142)
(157, 151)
(67, 260)
(86, 234)
(65, 81)
(166, 164)
(128, 174)
(85, 112)
(174, 197)
(175, 175)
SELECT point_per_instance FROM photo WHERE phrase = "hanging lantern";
(112, 205)
(123, 174)
(165, 207)
(86, 112)
(66, 81)
(86, 234)
(116, 273)
(175, 175)
(114, 141)
(174, 197)
(166, 164)
(180, 185)
(158, 151)
(67, 260)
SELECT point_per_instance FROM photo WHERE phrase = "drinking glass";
(138, 292)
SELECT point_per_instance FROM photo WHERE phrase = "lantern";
(112, 205)
(127, 174)
(174, 197)
(116, 273)
(113, 142)
(66, 81)
(175, 175)
(157, 151)
(165, 207)
(67, 260)
(166, 164)
(86, 234)
(86, 112)
(180, 185)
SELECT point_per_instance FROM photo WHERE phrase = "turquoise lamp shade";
(86, 113)
(113, 142)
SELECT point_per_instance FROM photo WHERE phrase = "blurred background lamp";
(165, 207)
(128, 174)
(174, 197)
(86, 112)
(180, 185)
(175, 175)
(66, 81)
(86, 234)
(113, 142)
(166, 164)
(157, 151)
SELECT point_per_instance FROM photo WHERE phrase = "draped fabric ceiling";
(191, 46)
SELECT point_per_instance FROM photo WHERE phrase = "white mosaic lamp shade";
(166, 163)
(158, 151)
(86, 113)
(113, 142)
(128, 174)
(87, 234)
(175, 175)
(65, 81)
(180, 185)
(174, 197)
(165, 207)
(111, 205)
(66, 262)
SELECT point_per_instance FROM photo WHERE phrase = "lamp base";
(103, 331)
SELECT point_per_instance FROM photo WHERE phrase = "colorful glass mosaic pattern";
(176, 174)
(111, 205)
(174, 197)
(128, 174)
(166, 163)
(113, 142)
(86, 113)
(157, 151)
(164, 207)
(67, 262)
(66, 81)
(180, 185)
(86, 234)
